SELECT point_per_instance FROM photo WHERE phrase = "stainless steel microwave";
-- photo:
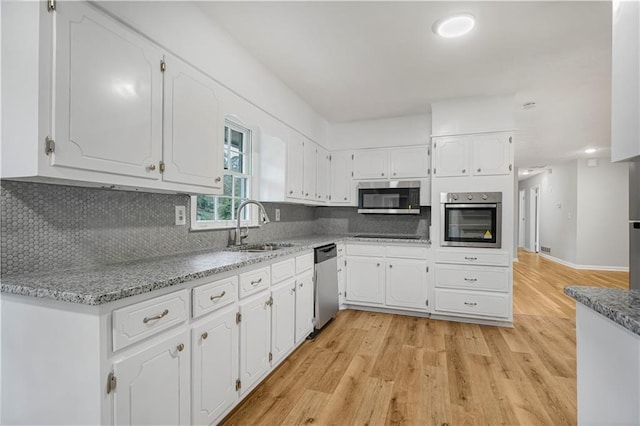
(471, 219)
(389, 197)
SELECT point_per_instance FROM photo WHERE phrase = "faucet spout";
(265, 219)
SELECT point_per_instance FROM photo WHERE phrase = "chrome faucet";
(265, 219)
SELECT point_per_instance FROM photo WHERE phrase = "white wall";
(184, 30)
(603, 214)
(583, 213)
(397, 131)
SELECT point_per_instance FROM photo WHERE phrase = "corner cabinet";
(473, 155)
(124, 112)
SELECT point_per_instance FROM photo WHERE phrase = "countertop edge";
(610, 303)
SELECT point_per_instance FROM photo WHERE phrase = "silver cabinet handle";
(470, 258)
(378, 265)
(471, 280)
(290, 192)
(382, 174)
(345, 198)
(218, 179)
(301, 284)
(180, 347)
(394, 173)
(464, 170)
(256, 282)
(157, 317)
(151, 167)
(470, 303)
(390, 266)
(221, 295)
(205, 335)
(306, 194)
(479, 170)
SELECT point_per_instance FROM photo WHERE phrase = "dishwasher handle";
(325, 253)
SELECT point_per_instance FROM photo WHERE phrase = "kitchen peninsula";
(608, 340)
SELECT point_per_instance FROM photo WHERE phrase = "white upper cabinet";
(295, 166)
(491, 154)
(473, 155)
(192, 126)
(625, 81)
(451, 156)
(309, 168)
(371, 164)
(341, 183)
(410, 162)
(108, 95)
(323, 180)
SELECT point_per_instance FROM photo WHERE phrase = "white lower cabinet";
(406, 284)
(283, 311)
(472, 303)
(214, 366)
(153, 384)
(365, 279)
(395, 276)
(255, 340)
(304, 307)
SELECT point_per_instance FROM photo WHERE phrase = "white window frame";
(251, 211)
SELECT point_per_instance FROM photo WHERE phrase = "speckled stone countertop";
(620, 306)
(108, 283)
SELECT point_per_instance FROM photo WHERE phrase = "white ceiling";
(366, 60)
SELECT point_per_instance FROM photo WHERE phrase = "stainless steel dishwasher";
(326, 285)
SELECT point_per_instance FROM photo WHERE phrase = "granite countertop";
(620, 306)
(103, 284)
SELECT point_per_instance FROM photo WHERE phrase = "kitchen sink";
(259, 248)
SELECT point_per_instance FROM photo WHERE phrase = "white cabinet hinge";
(329, 158)
(428, 151)
(351, 174)
(163, 66)
(238, 317)
(427, 269)
(111, 382)
(510, 139)
(345, 294)
(510, 167)
(426, 302)
(428, 171)
(270, 357)
(49, 146)
(434, 145)
(162, 166)
(238, 385)
(269, 301)
(434, 170)
(51, 5)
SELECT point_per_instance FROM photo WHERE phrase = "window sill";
(220, 228)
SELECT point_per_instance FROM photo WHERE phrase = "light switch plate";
(277, 215)
(181, 215)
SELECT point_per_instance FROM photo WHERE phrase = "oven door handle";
(470, 206)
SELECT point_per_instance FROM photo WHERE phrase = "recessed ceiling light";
(590, 150)
(454, 26)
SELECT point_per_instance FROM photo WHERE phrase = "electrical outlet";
(277, 215)
(181, 215)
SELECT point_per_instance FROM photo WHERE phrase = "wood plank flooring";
(374, 369)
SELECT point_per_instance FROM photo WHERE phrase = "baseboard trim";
(584, 267)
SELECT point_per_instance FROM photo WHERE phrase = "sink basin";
(259, 248)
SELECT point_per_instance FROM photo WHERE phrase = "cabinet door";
(451, 156)
(193, 127)
(365, 279)
(304, 307)
(255, 340)
(323, 177)
(283, 320)
(153, 385)
(295, 164)
(406, 284)
(309, 170)
(108, 95)
(341, 183)
(410, 162)
(215, 366)
(491, 154)
(371, 164)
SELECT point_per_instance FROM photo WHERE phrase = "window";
(209, 211)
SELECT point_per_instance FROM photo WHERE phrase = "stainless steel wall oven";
(471, 219)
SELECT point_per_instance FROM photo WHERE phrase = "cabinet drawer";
(304, 263)
(254, 281)
(473, 257)
(469, 277)
(144, 319)
(365, 250)
(282, 270)
(472, 303)
(209, 297)
(407, 252)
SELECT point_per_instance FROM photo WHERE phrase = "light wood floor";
(369, 368)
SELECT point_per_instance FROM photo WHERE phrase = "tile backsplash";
(53, 227)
